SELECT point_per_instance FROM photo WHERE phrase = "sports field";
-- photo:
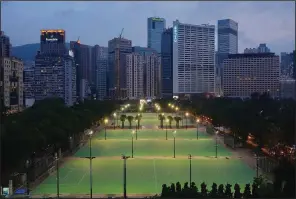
(153, 163)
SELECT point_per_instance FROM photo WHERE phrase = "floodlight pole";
(174, 147)
(58, 175)
(190, 157)
(90, 167)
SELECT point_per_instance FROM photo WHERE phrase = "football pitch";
(153, 163)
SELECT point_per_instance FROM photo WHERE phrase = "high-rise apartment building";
(29, 81)
(118, 48)
(11, 84)
(193, 58)
(69, 81)
(143, 50)
(287, 60)
(134, 76)
(52, 42)
(155, 27)
(5, 45)
(152, 76)
(100, 63)
(245, 74)
(167, 63)
(287, 88)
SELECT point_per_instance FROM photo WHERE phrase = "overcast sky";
(97, 22)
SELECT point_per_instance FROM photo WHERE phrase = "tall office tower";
(262, 48)
(134, 76)
(287, 64)
(193, 59)
(70, 80)
(227, 44)
(52, 42)
(29, 83)
(100, 63)
(167, 63)
(152, 77)
(143, 50)
(118, 48)
(5, 45)
(155, 27)
(245, 74)
(82, 57)
(12, 87)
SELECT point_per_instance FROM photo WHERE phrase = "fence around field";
(41, 168)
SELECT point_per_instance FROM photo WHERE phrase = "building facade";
(245, 74)
(262, 48)
(70, 81)
(118, 48)
(134, 76)
(287, 88)
(155, 27)
(287, 64)
(12, 87)
(143, 50)
(52, 42)
(193, 59)
(167, 63)
(152, 76)
(29, 81)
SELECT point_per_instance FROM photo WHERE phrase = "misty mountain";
(27, 52)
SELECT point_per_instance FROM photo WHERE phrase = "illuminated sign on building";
(51, 38)
(71, 54)
(175, 34)
(157, 19)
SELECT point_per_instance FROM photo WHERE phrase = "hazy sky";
(97, 22)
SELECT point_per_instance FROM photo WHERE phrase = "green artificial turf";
(143, 176)
(153, 163)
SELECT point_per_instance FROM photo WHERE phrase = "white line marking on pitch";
(66, 176)
(155, 175)
(81, 178)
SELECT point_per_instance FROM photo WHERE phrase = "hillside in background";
(27, 52)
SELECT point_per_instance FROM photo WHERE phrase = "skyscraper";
(155, 27)
(193, 58)
(227, 44)
(100, 64)
(118, 48)
(134, 76)
(143, 50)
(152, 76)
(167, 63)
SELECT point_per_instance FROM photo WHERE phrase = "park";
(156, 156)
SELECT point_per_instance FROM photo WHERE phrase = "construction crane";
(118, 89)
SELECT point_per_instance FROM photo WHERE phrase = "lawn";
(144, 176)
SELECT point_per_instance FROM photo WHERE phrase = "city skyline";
(257, 22)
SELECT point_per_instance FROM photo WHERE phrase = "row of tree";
(271, 121)
(170, 118)
(130, 119)
(48, 123)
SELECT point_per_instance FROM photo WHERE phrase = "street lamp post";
(133, 132)
(166, 129)
(190, 157)
(216, 147)
(114, 119)
(27, 179)
(124, 174)
(58, 175)
(186, 119)
(106, 122)
(197, 121)
(90, 163)
(136, 132)
(174, 133)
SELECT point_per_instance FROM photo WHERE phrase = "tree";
(177, 119)
(214, 191)
(130, 120)
(247, 191)
(203, 189)
(164, 191)
(122, 119)
(255, 190)
(161, 118)
(170, 118)
(237, 193)
(138, 118)
(228, 192)
(221, 193)
(178, 187)
(173, 189)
